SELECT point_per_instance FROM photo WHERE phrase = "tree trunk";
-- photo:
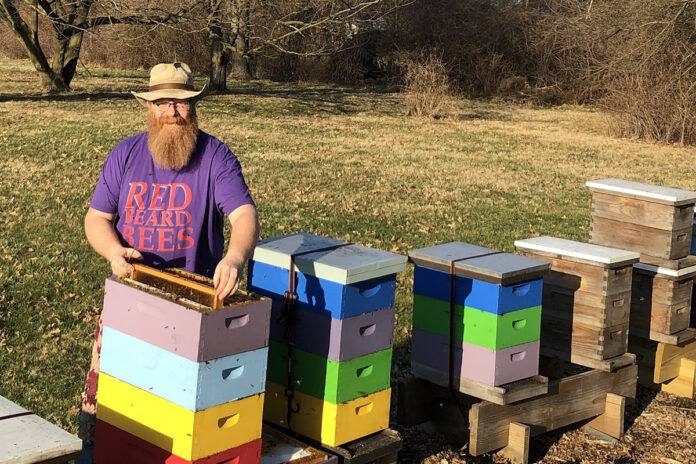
(67, 53)
(50, 81)
(219, 58)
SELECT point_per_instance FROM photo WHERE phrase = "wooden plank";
(176, 284)
(668, 359)
(30, 439)
(570, 400)
(679, 338)
(611, 422)
(517, 449)
(570, 250)
(504, 394)
(648, 192)
(685, 383)
(641, 212)
(369, 449)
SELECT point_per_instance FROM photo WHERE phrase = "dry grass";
(342, 162)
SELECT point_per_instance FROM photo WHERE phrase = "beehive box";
(336, 339)
(430, 359)
(325, 422)
(184, 326)
(192, 385)
(587, 298)
(185, 433)
(661, 300)
(341, 282)
(181, 369)
(496, 299)
(328, 380)
(654, 221)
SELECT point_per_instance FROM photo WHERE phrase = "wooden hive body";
(654, 221)
(661, 300)
(587, 298)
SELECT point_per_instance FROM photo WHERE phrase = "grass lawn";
(342, 162)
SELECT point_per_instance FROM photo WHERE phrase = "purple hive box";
(194, 334)
(337, 339)
(491, 367)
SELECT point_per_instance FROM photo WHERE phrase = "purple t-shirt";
(174, 218)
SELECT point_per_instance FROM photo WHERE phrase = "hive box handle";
(364, 409)
(237, 321)
(228, 421)
(368, 330)
(232, 372)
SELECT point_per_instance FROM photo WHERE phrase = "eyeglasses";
(164, 105)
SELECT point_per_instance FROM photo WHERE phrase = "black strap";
(19, 414)
(287, 318)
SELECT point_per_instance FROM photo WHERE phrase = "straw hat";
(170, 80)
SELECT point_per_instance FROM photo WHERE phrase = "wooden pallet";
(671, 368)
(594, 394)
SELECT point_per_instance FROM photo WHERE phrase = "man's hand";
(121, 259)
(227, 275)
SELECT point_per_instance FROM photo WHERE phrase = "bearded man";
(162, 199)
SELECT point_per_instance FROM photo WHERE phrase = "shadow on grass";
(66, 97)
(295, 99)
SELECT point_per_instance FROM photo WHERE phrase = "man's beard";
(171, 145)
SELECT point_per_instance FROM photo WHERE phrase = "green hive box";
(502, 331)
(329, 380)
(432, 315)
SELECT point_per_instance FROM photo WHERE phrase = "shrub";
(427, 88)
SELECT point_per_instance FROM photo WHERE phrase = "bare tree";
(70, 20)
(247, 28)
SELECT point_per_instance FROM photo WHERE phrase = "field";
(342, 162)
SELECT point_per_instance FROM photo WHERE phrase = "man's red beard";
(171, 145)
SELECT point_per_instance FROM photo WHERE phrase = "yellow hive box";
(328, 423)
(190, 435)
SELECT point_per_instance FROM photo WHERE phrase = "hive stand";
(671, 368)
(593, 395)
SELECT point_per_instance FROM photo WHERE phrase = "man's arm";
(99, 228)
(245, 232)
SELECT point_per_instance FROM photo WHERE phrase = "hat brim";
(179, 94)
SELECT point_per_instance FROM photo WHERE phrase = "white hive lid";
(577, 251)
(671, 274)
(345, 265)
(648, 192)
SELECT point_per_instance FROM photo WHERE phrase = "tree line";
(635, 58)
